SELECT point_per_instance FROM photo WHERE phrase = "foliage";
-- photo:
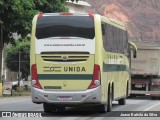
(12, 58)
(17, 15)
(47, 6)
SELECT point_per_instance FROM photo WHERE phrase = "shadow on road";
(145, 97)
(92, 111)
(81, 112)
(73, 111)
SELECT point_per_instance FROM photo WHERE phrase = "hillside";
(140, 16)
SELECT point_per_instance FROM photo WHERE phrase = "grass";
(21, 93)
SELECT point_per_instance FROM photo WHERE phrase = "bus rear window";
(65, 26)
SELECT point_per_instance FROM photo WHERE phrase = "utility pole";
(19, 72)
(1, 48)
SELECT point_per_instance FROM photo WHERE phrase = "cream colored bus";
(78, 59)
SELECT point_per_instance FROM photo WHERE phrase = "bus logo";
(51, 69)
(65, 57)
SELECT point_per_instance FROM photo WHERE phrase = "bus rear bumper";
(67, 97)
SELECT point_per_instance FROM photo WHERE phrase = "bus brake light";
(91, 15)
(40, 15)
(96, 77)
(35, 82)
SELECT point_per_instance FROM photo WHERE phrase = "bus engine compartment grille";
(64, 58)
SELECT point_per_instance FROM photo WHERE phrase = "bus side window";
(116, 39)
(110, 38)
(103, 25)
(103, 28)
(125, 43)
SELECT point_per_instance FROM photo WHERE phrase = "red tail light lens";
(96, 77)
(40, 15)
(34, 72)
(91, 15)
(35, 82)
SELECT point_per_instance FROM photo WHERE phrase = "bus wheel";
(102, 108)
(48, 108)
(109, 107)
(122, 101)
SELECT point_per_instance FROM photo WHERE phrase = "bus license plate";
(64, 98)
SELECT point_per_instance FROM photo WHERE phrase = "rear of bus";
(63, 60)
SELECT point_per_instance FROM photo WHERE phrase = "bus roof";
(114, 22)
(65, 14)
(111, 21)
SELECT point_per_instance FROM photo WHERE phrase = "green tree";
(17, 15)
(12, 58)
(47, 6)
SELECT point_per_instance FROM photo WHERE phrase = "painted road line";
(147, 109)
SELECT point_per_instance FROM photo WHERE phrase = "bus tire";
(109, 106)
(122, 101)
(102, 108)
(48, 108)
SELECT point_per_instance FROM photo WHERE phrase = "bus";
(79, 59)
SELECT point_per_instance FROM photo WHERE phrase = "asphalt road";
(137, 105)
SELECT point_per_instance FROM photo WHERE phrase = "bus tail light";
(96, 77)
(91, 15)
(40, 15)
(35, 82)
